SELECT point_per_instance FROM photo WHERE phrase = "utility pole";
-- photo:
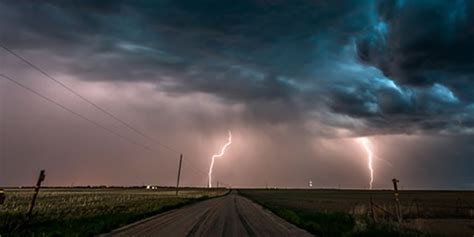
(397, 199)
(35, 195)
(3, 146)
(179, 173)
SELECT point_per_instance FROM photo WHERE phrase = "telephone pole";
(179, 173)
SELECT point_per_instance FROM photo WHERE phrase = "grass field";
(349, 213)
(89, 211)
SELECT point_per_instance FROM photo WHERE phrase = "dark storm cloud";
(392, 66)
(426, 42)
(283, 76)
(426, 46)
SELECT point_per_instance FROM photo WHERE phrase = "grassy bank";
(87, 212)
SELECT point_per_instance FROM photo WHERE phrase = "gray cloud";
(306, 69)
(257, 51)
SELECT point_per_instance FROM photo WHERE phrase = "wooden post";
(179, 173)
(417, 209)
(397, 199)
(2, 196)
(372, 212)
(35, 195)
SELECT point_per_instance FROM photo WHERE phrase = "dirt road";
(231, 215)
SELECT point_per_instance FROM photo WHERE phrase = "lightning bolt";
(366, 144)
(217, 156)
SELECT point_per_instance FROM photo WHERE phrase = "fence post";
(397, 200)
(35, 195)
(417, 209)
(2, 196)
(371, 206)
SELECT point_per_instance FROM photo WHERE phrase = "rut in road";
(231, 215)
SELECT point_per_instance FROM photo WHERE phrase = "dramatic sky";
(296, 82)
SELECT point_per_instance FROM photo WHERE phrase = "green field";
(89, 211)
(350, 213)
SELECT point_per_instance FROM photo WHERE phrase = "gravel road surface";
(230, 215)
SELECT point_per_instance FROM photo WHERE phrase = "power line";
(47, 75)
(86, 118)
(196, 169)
(74, 113)
(129, 126)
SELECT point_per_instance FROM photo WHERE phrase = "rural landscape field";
(237, 118)
(371, 213)
(89, 211)
(321, 212)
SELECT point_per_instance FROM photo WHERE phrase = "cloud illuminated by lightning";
(217, 156)
(366, 144)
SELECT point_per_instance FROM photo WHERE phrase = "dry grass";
(419, 208)
(423, 204)
(87, 211)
